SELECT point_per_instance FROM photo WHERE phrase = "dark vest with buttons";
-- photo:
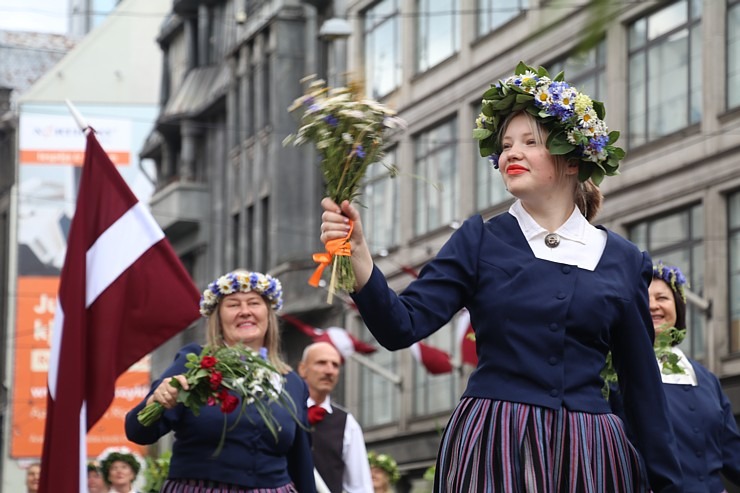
(328, 438)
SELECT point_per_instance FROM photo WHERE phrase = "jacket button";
(566, 269)
(561, 295)
(553, 360)
(554, 392)
(553, 327)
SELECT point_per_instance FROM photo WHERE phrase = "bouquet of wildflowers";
(217, 370)
(347, 131)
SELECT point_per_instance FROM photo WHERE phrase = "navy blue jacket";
(542, 329)
(250, 458)
(706, 432)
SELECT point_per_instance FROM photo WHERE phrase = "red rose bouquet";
(218, 370)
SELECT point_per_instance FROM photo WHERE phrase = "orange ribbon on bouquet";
(340, 247)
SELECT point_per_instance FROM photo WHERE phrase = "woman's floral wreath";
(112, 454)
(672, 276)
(386, 463)
(575, 122)
(244, 282)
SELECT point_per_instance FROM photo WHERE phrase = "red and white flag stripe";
(122, 293)
(434, 360)
(346, 343)
(466, 337)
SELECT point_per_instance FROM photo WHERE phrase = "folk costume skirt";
(203, 486)
(506, 447)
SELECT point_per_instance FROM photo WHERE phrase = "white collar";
(573, 229)
(326, 404)
(688, 377)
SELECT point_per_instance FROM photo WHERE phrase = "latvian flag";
(122, 293)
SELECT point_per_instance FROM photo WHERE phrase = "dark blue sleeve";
(730, 445)
(146, 435)
(300, 459)
(429, 302)
(645, 406)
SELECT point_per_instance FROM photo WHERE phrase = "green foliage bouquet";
(667, 359)
(347, 130)
(218, 370)
(156, 472)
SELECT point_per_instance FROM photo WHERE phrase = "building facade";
(230, 194)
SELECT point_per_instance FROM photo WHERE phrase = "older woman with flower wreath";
(549, 295)
(384, 471)
(700, 412)
(214, 450)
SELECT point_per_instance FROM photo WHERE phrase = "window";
(664, 72)
(493, 14)
(382, 48)
(734, 281)
(489, 186)
(381, 218)
(437, 32)
(379, 397)
(436, 185)
(436, 393)
(586, 71)
(733, 53)
(677, 239)
(100, 10)
(250, 246)
(235, 237)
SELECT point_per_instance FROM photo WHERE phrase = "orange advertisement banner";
(67, 157)
(36, 302)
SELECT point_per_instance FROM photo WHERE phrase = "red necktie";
(316, 414)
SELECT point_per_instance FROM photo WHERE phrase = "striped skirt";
(203, 486)
(498, 446)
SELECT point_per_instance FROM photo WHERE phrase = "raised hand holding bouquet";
(347, 130)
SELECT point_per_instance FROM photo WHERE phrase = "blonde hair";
(215, 334)
(586, 195)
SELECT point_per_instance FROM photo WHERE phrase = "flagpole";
(78, 117)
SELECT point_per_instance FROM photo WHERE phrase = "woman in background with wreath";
(120, 467)
(549, 296)
(700, 412)
(241, 308)
(384, 472)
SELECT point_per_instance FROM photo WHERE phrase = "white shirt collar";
(688, 377)
(326, 404)
(574, 229)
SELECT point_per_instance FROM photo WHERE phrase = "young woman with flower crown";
(549, 296)
(241, 308)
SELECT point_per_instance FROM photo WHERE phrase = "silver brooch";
(552, 240)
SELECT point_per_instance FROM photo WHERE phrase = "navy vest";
(328, 438)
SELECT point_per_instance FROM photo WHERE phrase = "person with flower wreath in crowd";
(384, 471)
(700, 412)
(119, 467)
(549, 295)
(241, 308)
(95, 481)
